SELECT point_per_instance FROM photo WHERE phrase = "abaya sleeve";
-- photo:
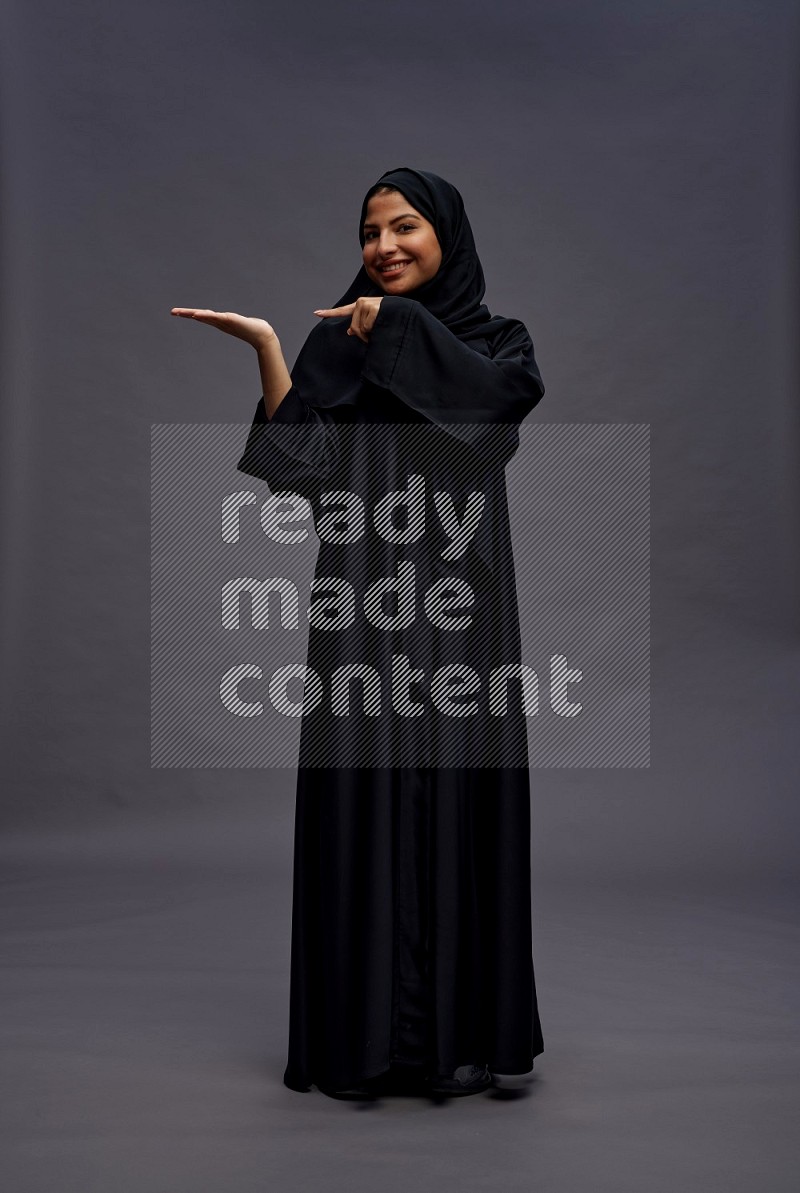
(477, 391)
(295, 449)
(466, 392)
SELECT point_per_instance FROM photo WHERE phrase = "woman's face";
(401, 250)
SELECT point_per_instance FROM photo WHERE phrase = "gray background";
(630, 174)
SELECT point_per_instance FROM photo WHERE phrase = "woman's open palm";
(244, 327)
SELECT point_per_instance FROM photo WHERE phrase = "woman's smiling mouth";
(392, 268)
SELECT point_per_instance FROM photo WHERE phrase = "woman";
(411, 930)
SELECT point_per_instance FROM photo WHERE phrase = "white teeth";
(393, 268)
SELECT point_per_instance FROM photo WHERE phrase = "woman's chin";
(401, 286)
(389, 286)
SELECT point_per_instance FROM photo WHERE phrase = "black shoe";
(467, 1079)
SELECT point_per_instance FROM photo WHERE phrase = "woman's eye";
(401, 228)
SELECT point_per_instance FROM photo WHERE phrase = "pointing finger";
(326, 313)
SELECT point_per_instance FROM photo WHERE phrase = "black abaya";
(411, 924)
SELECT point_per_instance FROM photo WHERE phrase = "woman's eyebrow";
(407, 215)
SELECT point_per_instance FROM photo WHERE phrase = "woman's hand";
(253, 331)
(276, 380)
(364, 312)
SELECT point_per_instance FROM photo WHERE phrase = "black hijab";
(328, 369)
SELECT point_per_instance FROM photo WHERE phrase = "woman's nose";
(387, 242)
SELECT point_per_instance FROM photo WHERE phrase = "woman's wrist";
(275, 378)
(267, 343)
